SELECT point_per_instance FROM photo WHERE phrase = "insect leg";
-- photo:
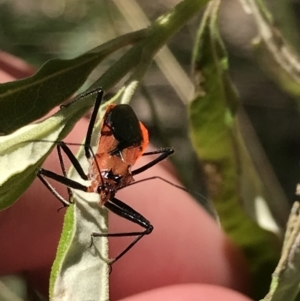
(42, 173)
(164, 153)
(64, 202)
(98, 101)
(92, 123)
(62, 145)
(63, 168)
(125, 211)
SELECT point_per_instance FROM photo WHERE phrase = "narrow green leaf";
(213, 132)
(275, 56)
(286, 277)
(27, 100)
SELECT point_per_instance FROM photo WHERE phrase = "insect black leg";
(42, 173)
(63, 167)
(72, 158)
(92, 123)
(125, 211)
(165, 152)
(62, 179)
(64, 202)
(98, 102)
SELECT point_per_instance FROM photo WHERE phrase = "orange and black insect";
(123, 140)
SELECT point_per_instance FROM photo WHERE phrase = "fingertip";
(12, 67)
(189, 292)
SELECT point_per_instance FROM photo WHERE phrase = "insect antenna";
(204, 201)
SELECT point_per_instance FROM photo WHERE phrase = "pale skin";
(187, 257)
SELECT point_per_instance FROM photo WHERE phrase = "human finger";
(191, 292)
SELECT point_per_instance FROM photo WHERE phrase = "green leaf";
(27, 100)
(213, 133)
(80, 269)
(21, 154)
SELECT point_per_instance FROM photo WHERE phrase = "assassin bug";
(123, 140)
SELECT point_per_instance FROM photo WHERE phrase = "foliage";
(216, 130)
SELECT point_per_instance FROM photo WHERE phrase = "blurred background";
(38, 30)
